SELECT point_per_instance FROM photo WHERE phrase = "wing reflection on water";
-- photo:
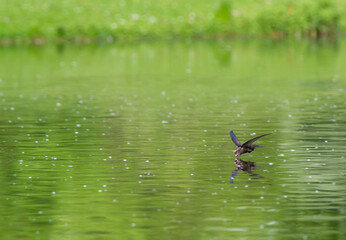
(245, 166)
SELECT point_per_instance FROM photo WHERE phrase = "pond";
(131, 141)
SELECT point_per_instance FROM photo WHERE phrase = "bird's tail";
(257, 146)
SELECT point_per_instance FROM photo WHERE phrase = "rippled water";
(132, 141)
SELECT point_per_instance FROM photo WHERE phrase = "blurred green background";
(39, 21)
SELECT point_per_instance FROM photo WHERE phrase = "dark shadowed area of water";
(131, 141)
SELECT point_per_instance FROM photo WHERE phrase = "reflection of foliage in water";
(138, 139)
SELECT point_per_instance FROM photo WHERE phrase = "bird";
(246, 147)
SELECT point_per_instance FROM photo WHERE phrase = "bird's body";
(246, 147)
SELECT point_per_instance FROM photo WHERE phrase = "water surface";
(130, 141)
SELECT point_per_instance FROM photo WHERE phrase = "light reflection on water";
(140, 149)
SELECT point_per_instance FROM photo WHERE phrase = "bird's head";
(237, 152)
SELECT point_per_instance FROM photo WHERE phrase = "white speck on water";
(100, 190)
(333, 183)
(325, 141)
(317, 191)
(30, 177)
(109, 157)
(281, 155)
(205, 130)
(292, 150)
(285, 196)
(125, 160)
(133, 224)
(261, 197)
(128, 143)
(214, 193)
(289, 115)
(252, 134)
(246, 186)
(271, 163)
(101, 149)
(76, 132)
(77, 125)
(163, 93)
(53, 193)
(40, 212)
(114, 25)
(85, 185)
(164, 121)
(152, 19)
(139, 181)
(308, 160)
(191, 174)
(104, 185)
(310, 176)
(58, 104)
(147, 161)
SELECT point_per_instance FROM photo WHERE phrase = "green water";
(131, 141)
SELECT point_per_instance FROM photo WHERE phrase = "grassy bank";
(40, 21)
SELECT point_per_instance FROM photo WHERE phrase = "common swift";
(247, 147)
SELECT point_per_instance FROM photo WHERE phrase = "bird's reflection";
(245, 166)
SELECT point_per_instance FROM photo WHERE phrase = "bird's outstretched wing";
(249, 143)
(235, 139)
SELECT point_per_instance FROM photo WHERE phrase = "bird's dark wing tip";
(234, 139)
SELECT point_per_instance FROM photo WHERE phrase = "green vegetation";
(84, 21)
